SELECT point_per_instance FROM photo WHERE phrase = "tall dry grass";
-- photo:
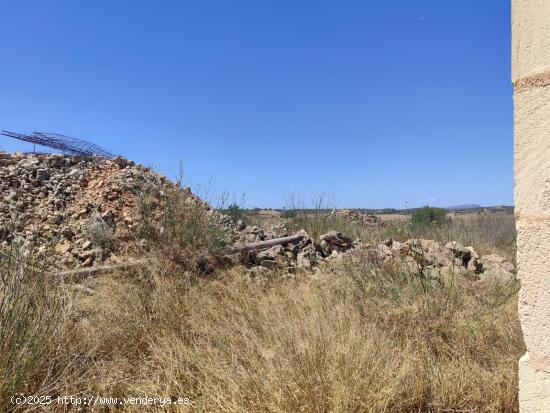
(356, 336)
(333, 342)
(487, 232)
(33, 326)
(327, 345)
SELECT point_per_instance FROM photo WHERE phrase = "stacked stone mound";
(427, 257)
(452, 258)
(354, 216)
(253, 233)
(87, 206)
(304, 254)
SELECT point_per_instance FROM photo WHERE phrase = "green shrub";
(428, 216)
(176, 222)
(290, 214)
(234, 211)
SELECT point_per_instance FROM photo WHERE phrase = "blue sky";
(371, 103)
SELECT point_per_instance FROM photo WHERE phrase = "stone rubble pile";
(305, 254)
(354, 216)
(418, 255)
(247, 234)
(82, 205)
(451, 258)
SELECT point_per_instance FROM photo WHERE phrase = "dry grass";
(356, 336)
(333, 342)
(323, 345)
(33, 326)
(488, 232)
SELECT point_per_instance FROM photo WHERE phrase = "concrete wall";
(531, 77)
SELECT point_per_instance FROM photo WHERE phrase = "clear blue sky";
(374, 103)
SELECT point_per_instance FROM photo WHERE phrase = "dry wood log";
(262, 245)
(85, 272)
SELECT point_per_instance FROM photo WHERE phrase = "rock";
(414, 246)
(120, 161)
(67, 232)
(465, 256)
(89, 253)
(497, 275)
(452, 270)
(44, 196)
(271, 253)
(88, 261)
(56, 219)
(269, 264)
(10, 196)
(474, 266)
(336, 241)
(335, 256)
(29, 162)
(439, 255)
(497, 268)
(383, 250)
(492, 260)
(73, 172)
(251, 234)
(398, 247)
(354, 216)
(508, 266)
(454, 246)
(63, 247)
(303, 260)
(426, 244)
(473, 253)
(42, 174)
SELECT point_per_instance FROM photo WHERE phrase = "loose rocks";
(451, 258)
(354, 216)
(86, 205)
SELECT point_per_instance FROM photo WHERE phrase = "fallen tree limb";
(262, 245)
(85, 272)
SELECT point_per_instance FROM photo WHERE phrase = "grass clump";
(178, 224)
(32, 322)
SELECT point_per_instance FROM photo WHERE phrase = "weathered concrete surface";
(533, 384)
(531, 77)
(530, 37)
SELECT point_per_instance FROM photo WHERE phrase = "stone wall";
(531, 78)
